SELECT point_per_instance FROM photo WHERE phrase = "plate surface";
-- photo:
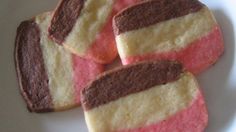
(218, 83)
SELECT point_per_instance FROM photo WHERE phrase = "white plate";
(218, 83)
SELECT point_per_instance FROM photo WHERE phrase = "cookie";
(155, 96)
(50, 78)
(85, 27)
(183, 30)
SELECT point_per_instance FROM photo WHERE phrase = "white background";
(218, 83)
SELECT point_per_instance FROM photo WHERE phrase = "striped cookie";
(50, 78)
(85, 27)
(183, 30)
(145, 97)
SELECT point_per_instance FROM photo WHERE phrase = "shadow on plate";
(219, 91)
(14, 116)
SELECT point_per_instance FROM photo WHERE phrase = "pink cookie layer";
(104, 49)
(196, 57)
(192, 119)
(84, 71)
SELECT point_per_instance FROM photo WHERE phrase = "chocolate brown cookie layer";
(64, 19)
(151, 12)
(127, 80)
(32, 76)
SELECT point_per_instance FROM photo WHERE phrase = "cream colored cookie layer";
(144, 108)
(165, 36)
(91, 20)
(58, 64)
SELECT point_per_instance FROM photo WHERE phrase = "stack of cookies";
(60, 57)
